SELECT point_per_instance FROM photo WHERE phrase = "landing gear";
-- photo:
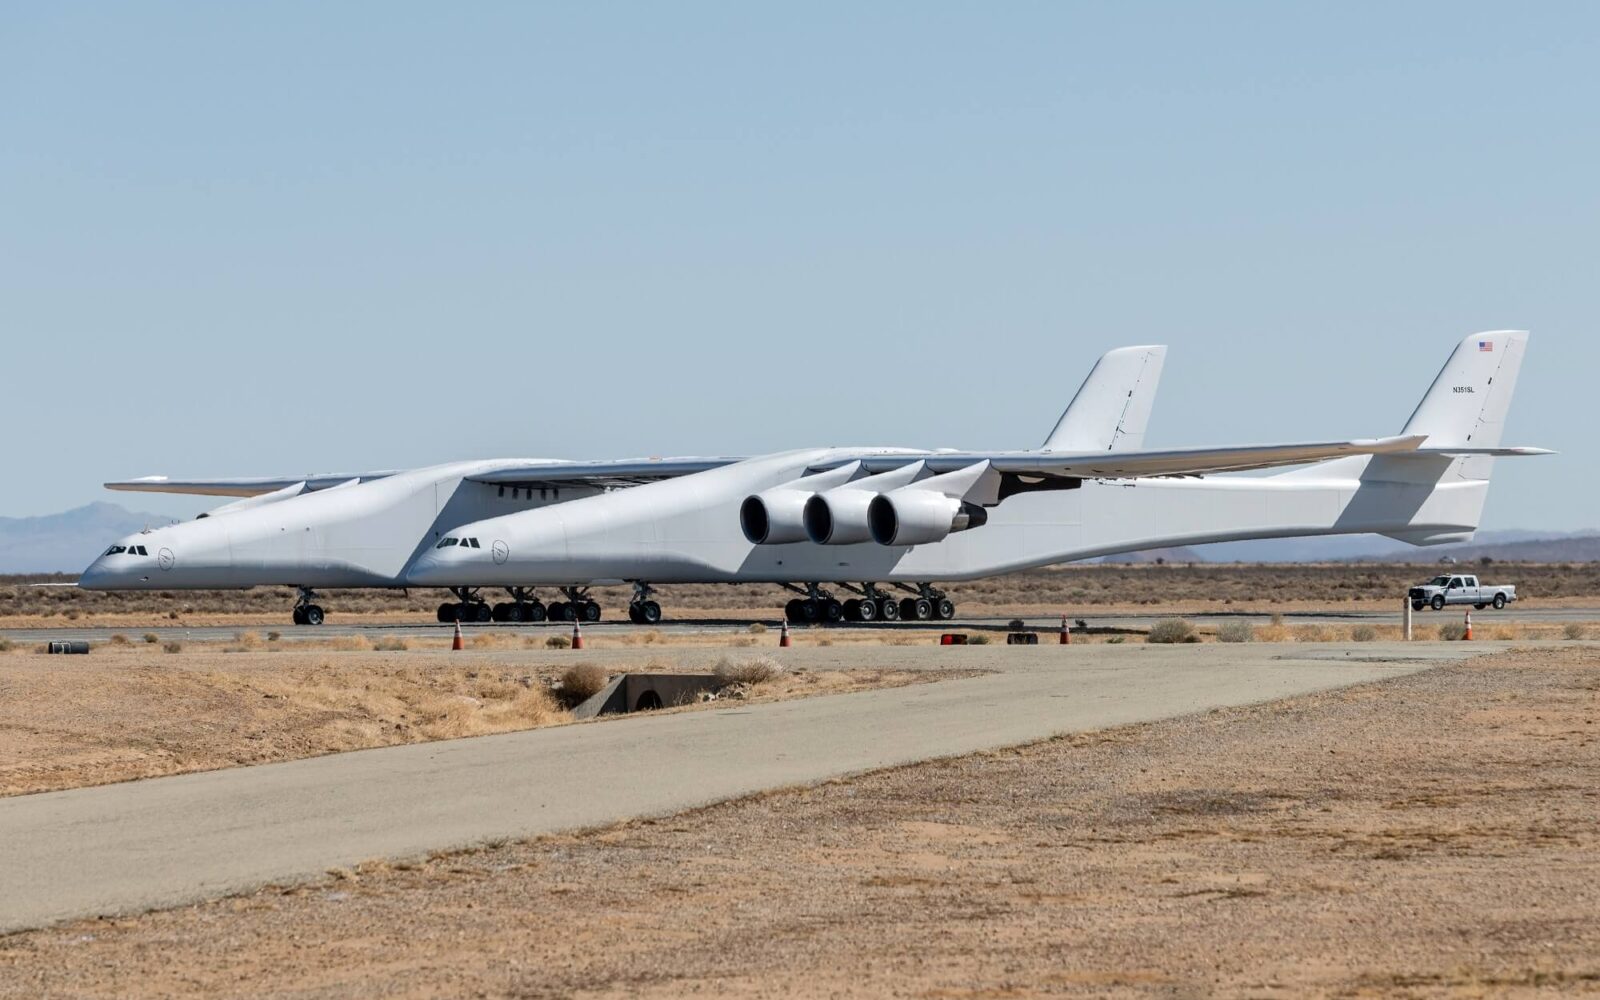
(578, 607)
(306, 610)
(469, 607)
(929, 604)
(642, 610)
(523, 607)
(817, 606)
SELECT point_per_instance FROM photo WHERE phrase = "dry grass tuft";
(391, 644)
(582, 681)
(151, 638)
(1363, 633)
(119, 640)
(351, 643)
(1236, 631)
(1170, 630)
(173, 647)
(756, 628)
(757, 670)
(557, 642)
(1452, 631)
(1575, 630)
(1312, 633)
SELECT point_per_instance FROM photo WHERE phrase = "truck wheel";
(1438, 602)
(1499, 601)
(1417, 605)
(1479, 607)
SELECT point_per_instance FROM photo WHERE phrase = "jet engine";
(839, 516)
(776, 516)
(912, 516)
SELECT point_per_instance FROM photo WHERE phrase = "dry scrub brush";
(1236, 631)
(582, 681)
(1172, 630)
(757, 670)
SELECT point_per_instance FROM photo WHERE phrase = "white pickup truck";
(1460, 588)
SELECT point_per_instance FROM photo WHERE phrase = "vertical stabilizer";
(1467, 403)
(1112, 407)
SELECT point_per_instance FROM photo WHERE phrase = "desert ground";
(1432, 835)
(1072, 590)
(133, 711)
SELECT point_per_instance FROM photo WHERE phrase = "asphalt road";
(98, 633)
(166, 841)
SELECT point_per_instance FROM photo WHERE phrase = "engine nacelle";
(918, 516)
(839, 517)
(774, 517)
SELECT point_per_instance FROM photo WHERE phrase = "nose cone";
(127, 565)
(447, 567)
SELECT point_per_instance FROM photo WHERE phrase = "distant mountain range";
(67, 542)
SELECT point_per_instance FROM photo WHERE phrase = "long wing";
(609, 475)
(1142, 464)
(246, 486)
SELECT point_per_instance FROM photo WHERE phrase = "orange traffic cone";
(1468, 636)
(577, 635)
(1066, 633)
(456, 643)
(783, 635)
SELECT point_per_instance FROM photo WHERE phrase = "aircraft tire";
(944, 609)
(852, 610)
(832, 611)
(591, 611)
(867, 611)
(312, 614)
(889, 609)
(921, 609)
(482, 612)
(533, 611)
(514, 612)
(498, 613)
(810, 611)
(791, 611)
(298, 615)
(634, 614)
(650, 611)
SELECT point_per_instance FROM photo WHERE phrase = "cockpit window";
(469, 543)
(140, 549)
(116, 550)
(472, 542)
(445, 543)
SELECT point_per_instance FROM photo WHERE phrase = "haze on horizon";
(305, 238)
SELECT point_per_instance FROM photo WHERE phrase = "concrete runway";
(167, 841)
(1514, 614)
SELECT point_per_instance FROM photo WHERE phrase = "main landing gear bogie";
(818, 607)
(306, 609)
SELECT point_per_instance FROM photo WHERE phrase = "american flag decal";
(1486, 345)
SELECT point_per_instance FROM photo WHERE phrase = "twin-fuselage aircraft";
(884, 526)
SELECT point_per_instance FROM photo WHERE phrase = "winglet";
(1112, 407)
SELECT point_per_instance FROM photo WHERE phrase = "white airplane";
(365, 529)
(910, 518)
(866, 518)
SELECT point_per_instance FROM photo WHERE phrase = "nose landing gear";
(306, 610)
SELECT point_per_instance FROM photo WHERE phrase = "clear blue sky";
(267, 238)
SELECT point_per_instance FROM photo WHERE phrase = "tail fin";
(1112, 407)
(1467, 403)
